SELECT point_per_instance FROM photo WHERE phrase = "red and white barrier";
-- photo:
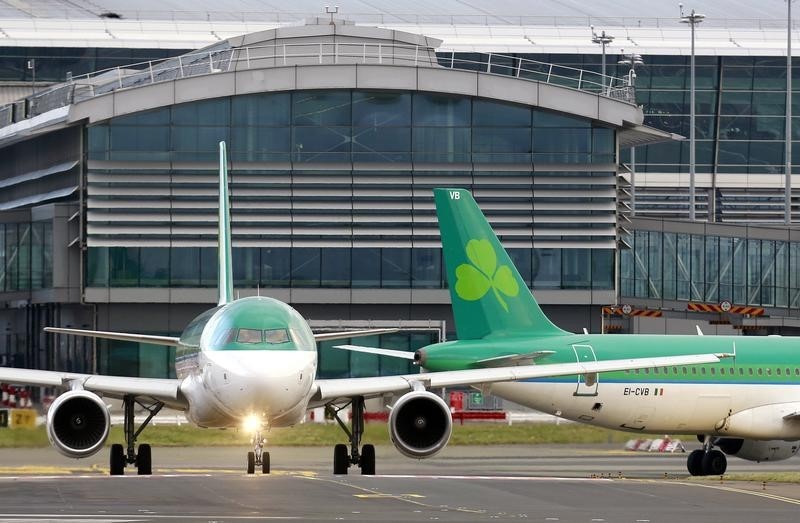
(665, 444)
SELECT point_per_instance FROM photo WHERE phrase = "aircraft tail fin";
(488, 294)
(225, 274)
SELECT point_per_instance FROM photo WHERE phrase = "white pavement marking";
(494, 478)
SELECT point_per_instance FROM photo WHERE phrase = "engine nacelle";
(757, 450)
(420, 424)
(78, 423)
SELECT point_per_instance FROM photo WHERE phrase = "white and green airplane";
(254, 360)
(747, 406)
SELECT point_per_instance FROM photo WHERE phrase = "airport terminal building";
(337, 132)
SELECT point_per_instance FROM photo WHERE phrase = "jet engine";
(420, 424)
(78, 423)
(757, 450)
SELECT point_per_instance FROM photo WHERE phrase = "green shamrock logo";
(474, 280)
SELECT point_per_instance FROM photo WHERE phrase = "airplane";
(252, 362)
(748, 407)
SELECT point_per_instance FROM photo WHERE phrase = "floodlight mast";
(787, 204)
(692, 19)
(632, 59)
(603, 39)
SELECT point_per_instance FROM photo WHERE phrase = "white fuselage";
(226, 387)
(666, 407)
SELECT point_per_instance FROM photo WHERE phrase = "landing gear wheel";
(117, 460)
(251, 462)
(695, 462)
(144, 460)
(341, 461)
(265, 463)
(368, 460)
(714, 463)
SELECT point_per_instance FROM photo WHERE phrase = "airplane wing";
(343, 335)
(123, 336)
(328, 390)
(166, 390)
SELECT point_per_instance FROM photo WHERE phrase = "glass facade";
(26, 256)
(708, 268)
(312, 267)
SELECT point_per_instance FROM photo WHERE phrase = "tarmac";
(533, 483)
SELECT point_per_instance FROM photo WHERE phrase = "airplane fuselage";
(747, 395)
(252, 357)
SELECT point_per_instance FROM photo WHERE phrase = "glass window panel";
(123, 266)
(246, 263)
(126, 139)
(670, 264)
(47, 253)
(208, 266)
(97, 267)
(184, 267)
(576, 268)
(264, 144)
(753, 272)
(562, 140)
(736, 77)
(603, 141)
(771, 77)
(441, 110)
(495, 114)
(712, 269)
(263, 109)
(546, 268)
(602, 268)
(736, 103)
(698, 265)
(767, 153)
(683, 273)
(501, 144)
(333, 363)
(654, 264)
(37, 255)
(335, 268)
(154, 361)
(305, 267)
(154, 266)
(441, 144)
(641, 260)
(381, 109)
(321, 108)
(726, 269)
(522, 261)
(739, 270)
(395, 268)
(215, 112)
(321, 144)
(366, 264)
(767, 275)
(381, 144)
(548, 119)
(157, 117)
(426, 264)
(781, 274)
(275, 266)
(98, 142)
(769, 103)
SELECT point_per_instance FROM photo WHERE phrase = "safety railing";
(223, 59)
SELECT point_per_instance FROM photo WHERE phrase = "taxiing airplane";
(254, 360)
(747, 406)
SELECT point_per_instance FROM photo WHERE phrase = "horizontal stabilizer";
(122, 336)
(343, 335)
(406, 355)
(514, 359)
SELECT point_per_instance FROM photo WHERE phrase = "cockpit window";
(249, 336)
(276, 336)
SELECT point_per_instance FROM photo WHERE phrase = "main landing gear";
(365, 459)
(122, 456)
(707, 461)
(258, 457)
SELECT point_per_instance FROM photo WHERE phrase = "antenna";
(332, 12)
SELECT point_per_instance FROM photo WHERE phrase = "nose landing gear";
(258, 457)
(707, 461)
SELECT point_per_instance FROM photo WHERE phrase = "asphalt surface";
(547, 483)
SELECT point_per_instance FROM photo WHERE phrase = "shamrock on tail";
(474, 280)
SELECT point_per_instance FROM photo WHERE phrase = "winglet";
(225, 275)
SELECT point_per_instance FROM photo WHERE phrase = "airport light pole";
(787, 204)
(603, 39)
(632, 59)
(692, 19)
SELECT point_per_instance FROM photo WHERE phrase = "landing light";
(251, 423)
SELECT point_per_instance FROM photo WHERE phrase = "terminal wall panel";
(448, 81)
(325, 76)
(386, 77)
(204, 87)
(148, 97)
(96, 109)
(508, 89)
(264, 80)
(574, 103)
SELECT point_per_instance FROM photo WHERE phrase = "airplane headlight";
(252, 423)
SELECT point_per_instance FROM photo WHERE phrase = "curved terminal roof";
(732, 27)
